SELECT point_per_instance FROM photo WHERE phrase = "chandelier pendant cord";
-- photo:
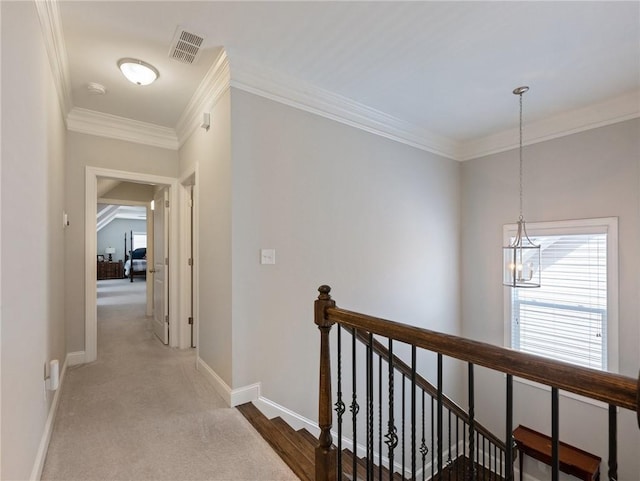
(520, 94)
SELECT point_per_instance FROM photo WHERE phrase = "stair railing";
(612, 389)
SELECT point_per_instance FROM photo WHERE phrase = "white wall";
(211, 151)
(88, 150)
(375, 219)
(590, 174)
(33, 199)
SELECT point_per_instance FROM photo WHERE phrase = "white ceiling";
(446, 69)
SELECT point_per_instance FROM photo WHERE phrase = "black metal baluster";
(477, 451)
(484, 457)
(355, 407)
(613, 443)
(380, 418)
(370, 408)
(472, 425)
(413, 412)
(457, 444)
(439, 414)
(449, 455)
(555, 435)
(509, 428)
(495, 460)
(433, 437)
(465, 430)
(423, 445)
(404, 403)
(392, 436)
(339, 405)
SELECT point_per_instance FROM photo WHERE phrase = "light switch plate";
(267, 256)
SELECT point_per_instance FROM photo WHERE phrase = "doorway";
(91, 192)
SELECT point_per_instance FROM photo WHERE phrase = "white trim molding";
(51, 25)
(114, 127)
(215, 83)
(295, 93)
(41, 455)
(612, 111)
(75, 358)
(232, 397)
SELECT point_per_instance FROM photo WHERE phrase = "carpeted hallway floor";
(142, 412)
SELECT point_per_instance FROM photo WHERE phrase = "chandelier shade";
(138, 72)
(521, 260)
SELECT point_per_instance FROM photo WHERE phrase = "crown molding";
(619, 109)
(290, 91)
(214, 84)
(51, 26)
(114, 127)
(295, 93)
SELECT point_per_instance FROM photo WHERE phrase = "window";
(572, 317)
(139, 240)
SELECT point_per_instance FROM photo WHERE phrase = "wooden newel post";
(638, 401)
(326, 459)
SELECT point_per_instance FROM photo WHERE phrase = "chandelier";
(521, 256)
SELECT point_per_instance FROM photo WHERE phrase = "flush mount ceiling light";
(521, 256)
(137, 71)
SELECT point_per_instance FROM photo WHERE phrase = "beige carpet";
(142, 411)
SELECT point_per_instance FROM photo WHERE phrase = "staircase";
(297, 450)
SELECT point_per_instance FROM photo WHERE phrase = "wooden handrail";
(429, 388)
(609, 388)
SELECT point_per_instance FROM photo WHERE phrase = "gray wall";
(211, 151)
(88, 150)
(129, 191)
(112, 235)
(33, 260)
(589, 174)
(375, 219)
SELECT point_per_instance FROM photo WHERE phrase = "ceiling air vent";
(185, 46)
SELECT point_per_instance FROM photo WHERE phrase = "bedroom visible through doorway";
(105, 186)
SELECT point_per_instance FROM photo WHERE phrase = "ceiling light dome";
(137, 71)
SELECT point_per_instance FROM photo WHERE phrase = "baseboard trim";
(272, 409)
(75, 358)
(245, 394)
(41, 455)
(233, 397)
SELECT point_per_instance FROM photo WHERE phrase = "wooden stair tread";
(310, 438)
(306, 448)
(297, 450)
(284, 446)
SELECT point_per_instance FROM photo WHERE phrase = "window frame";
(608, 225)
(139, 234)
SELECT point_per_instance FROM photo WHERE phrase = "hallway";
(142, 411)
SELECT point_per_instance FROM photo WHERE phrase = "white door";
(161, 266)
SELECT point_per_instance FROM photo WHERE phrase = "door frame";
(90, 288)
(187, 179)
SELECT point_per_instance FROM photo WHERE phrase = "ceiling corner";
(214, 84)
(51, 25)
(295, 93)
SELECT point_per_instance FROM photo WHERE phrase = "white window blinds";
(566, 318)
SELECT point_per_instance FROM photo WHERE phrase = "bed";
(135, 260)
